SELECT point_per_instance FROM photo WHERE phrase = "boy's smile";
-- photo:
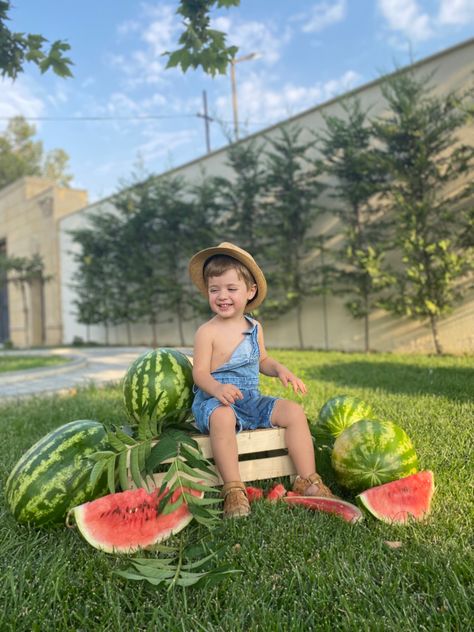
(228, 294)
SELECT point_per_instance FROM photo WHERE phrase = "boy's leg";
(226, 457)
(224, 443)
(290, 415)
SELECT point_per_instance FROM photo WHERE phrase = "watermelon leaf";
(124, 437)
(111, 474)
(97, 471)
(135, 467)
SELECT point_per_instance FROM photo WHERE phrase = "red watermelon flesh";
(400, 501)
(128, 521)
(341, 508)
(277, 492)
(254, 493)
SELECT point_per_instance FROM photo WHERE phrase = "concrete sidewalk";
(98, 365)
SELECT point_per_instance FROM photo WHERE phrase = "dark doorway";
(4, 325)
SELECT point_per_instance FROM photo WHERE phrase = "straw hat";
(198, 261)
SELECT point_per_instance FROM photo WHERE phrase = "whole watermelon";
(159, 384)
(372, 452)
(337, 414)
(53, 475)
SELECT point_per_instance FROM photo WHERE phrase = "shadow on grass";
(455, 383)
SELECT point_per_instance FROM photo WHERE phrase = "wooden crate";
(262, 454)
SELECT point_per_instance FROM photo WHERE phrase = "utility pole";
(233, 84)
(207, 119)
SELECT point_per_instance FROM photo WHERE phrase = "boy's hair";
(218, 264)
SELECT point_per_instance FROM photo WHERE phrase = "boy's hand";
(227, 394)
(287, 377)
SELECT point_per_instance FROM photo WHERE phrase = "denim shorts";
(252, 412)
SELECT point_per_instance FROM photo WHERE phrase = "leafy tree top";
(17, 49)
(201, 45)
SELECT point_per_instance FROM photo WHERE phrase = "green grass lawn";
(301, 570)
(21, 363)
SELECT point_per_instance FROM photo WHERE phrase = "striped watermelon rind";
(158, 384)
(53, 475)
(372, 452)
(337, 414)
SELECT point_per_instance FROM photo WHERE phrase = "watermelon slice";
(254, 493)
(277, 492)
(400, 501)
(128, 521)
(341, 508)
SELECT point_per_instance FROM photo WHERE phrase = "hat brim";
(196, 269)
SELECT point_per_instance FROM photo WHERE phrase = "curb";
(12, 377)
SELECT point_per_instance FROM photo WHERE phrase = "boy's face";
(228, 294)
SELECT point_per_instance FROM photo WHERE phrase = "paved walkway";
(98, 365)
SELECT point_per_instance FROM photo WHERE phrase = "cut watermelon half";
(129, 521)
(400, 501)
(341, 508)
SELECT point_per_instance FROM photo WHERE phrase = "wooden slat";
(249, 442)
(254, 470)
(257, 443)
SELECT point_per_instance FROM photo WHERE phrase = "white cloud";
(261, 104)
(321, 15)
(158, 27)
(159, 144)
(19, 99)
(406, 18)
(458, 12)
(253, 36)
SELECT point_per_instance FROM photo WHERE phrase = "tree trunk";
(366, 325)
(299, 311)
(25, 314)
(180, 327)
(129, 333)
(434, 331)
(154, 341)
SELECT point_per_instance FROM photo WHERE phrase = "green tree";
(291, 209)
(17, 49)
(22, 155)
(429, 199)
(241, 195)
(202, 46)
(350, 161)
(92, 280)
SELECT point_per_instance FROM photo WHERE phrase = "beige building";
(326, 323)
(30, 210)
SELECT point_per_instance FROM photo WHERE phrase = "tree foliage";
(22, 155)
(291, 208)
(428, 197)
(202, 46)
(17, 49)
(349, 158)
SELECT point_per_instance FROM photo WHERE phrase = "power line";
(101, 118)
(122, 118)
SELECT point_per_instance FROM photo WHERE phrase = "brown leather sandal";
(301, 485)
(236, 503)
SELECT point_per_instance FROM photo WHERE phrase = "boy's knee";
(288, 413)
(224, 417)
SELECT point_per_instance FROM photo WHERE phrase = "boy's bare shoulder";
(206, 330)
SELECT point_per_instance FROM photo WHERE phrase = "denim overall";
(241, 370)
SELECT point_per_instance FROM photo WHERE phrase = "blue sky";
(308, 51)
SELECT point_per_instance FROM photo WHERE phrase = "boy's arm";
(202, 355)
(269, 366)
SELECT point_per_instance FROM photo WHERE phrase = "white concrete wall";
(451, 70)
